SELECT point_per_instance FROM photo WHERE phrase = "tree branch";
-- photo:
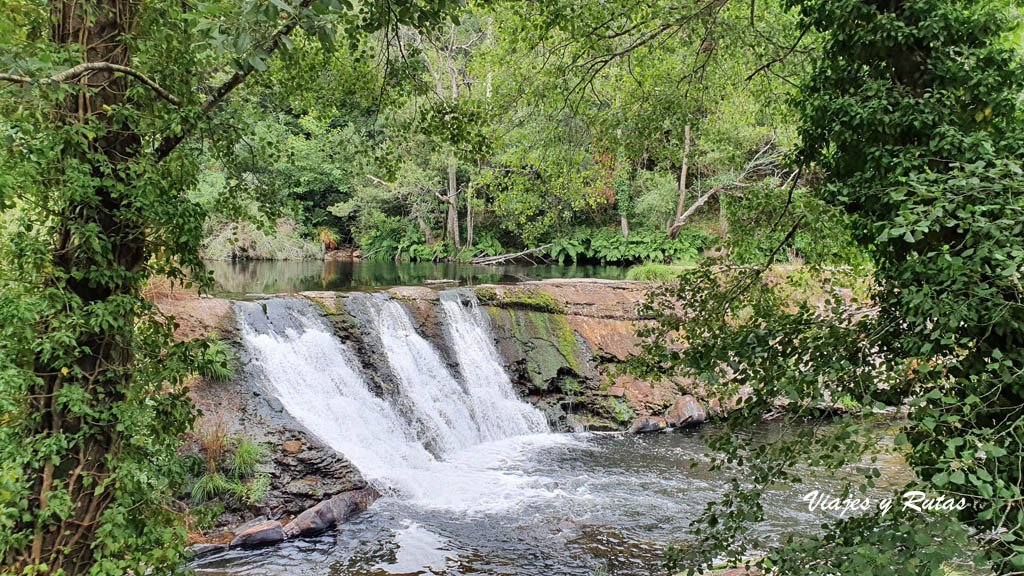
(87, 67)
(767, 65)
(171, 142)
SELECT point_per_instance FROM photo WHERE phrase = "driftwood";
(505, 258)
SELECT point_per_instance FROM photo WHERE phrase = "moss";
(655, 272)
(521, 299)
(566, 341)
(618, 409)
(327, 308)
(487, 296)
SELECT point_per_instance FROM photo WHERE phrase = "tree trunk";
(453, 210)
(625, 224)
(99, 31)
(682, 176)
(427, 234)
(469, 216)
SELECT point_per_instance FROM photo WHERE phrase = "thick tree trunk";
(453, 210)
(99, 30)
(428, 235)
(682, 176)
(624, 223)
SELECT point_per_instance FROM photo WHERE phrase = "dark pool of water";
(594, 503)
(277, 277)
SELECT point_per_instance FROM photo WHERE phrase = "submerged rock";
(330, 513)
(262, 534)
(648, 424)
(686, 411)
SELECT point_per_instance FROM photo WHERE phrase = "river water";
(474, 481)
(281, 277)
(543, 505)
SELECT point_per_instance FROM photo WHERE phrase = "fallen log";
(504, 258)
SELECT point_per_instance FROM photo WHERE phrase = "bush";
(607, 246)
(246, 241)
(226, 467)
(654, 273)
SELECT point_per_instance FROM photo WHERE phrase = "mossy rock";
(542, 345)
(523, 299)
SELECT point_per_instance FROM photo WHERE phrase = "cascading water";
(439, 403)
(317, 379)
(311, 372)
(497, 410)
(487, 497)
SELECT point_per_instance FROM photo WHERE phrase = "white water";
(491, 397)
(312, 373)
(439, 402)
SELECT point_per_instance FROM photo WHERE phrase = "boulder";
(648, 424)
(292, 446)
(262, 534)
(686, 411)
(330, 513)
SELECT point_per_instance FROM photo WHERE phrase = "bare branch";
(87, 67)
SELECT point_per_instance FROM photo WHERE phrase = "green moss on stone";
(566, 341)
(327, 308)
(522, 299)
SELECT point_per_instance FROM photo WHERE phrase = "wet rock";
(686, 411)
(330, 513)
(313, 473)
(200, 550)
(262, 534)
(274, 404)
(254, 522)
(647, 424)
(541, 348)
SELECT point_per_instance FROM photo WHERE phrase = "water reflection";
(278, 277)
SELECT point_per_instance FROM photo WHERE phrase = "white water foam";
(497, 410)
(312, 373)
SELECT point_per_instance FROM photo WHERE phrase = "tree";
(912, 115)
(102, 104)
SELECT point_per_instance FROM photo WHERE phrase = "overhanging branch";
(87, 67)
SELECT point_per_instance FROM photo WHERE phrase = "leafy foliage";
(95, 172)
(608, 246)
(913, 113)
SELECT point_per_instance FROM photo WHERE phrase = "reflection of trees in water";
(276, 276)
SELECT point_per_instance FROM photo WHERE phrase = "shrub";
(654, 273)
(608, 246)
(246, 456)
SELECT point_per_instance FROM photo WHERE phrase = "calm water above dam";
(279, 277)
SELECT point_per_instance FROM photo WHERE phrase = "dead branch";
(503, 258)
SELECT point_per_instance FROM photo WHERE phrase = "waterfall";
(492, 399)
(311, 372)
(439, 404)
(437, 443)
